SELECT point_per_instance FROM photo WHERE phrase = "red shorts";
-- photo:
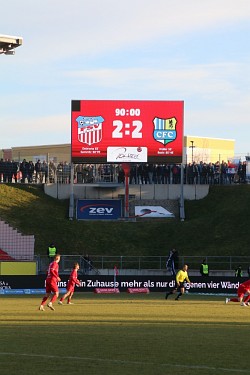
(51, 287)
(241, 292)
(70, 287)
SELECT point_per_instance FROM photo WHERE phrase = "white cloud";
(210, 82)
(60, 28)
(133, 49)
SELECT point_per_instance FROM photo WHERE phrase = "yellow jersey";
(182, 276)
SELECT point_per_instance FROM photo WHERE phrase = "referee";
(181, 277)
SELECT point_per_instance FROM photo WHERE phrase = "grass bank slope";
(216, 225)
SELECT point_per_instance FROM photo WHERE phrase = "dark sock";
(168, 294)
(180, 294)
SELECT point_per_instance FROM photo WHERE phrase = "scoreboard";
(126, 131)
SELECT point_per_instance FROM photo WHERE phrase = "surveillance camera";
(9, 52)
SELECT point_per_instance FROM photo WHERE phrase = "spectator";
(1, 169)
(31, 169)
(141, 174)
(88, 264)
(244, 171)
(217, 172)
(14, 170)
(79, 174)
(121, 175)
(176, 174)
(210, 173)
(132, 175)
(195, 173)
(150, 173)
(204, 269)
(8, 171)
(238, 272)
(203, 174)
(230, 172)
(59, 172)
(159, 174)
(66, 173)
(52, 251)
(38, 169)
(146, 174)
(24, 169)
(172, 261)
(52, 172)
(166, 174)
(44, 170)
(224, 172)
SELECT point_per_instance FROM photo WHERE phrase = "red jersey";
(73, 278)
(52, 275)
(245, 285)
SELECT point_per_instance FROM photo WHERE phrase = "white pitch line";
(118, 361)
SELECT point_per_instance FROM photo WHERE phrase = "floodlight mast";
(9, 43)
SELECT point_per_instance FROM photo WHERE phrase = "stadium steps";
(16, 245)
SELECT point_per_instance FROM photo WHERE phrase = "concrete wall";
(114, 191)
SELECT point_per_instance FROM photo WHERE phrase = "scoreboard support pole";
(126, 168)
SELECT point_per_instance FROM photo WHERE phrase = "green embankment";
(216, 225)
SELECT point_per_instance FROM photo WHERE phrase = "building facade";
(195, 149)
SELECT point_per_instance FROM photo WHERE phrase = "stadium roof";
(9, 43)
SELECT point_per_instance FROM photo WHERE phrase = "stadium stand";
(14, 244)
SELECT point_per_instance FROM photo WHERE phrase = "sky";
(191, 50)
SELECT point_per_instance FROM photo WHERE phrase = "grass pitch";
(124, 334)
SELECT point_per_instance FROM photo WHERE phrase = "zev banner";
(98, 209)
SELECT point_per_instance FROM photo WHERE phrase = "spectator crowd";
(193, 173)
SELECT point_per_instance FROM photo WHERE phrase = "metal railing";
(66, 264)
(28, 172)
(101, 262)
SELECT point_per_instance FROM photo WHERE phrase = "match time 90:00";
(127, 112)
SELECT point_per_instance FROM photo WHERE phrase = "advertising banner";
(98, 209)
(99, 124)
(88, 283)
(127, 154)
(152, 211)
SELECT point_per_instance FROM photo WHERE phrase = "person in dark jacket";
(24, 169)
(172, 263)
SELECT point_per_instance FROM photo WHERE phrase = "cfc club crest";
(89, 129)
(165, 130)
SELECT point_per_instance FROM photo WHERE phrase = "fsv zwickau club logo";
(89, 129)
(165, 130)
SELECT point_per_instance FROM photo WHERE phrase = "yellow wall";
(17, 268)
(55, 153)
(208, 149)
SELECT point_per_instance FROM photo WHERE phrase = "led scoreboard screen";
(127, 129)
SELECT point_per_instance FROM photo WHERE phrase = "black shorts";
(180, 286)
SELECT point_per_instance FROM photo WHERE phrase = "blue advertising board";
(98, 209)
